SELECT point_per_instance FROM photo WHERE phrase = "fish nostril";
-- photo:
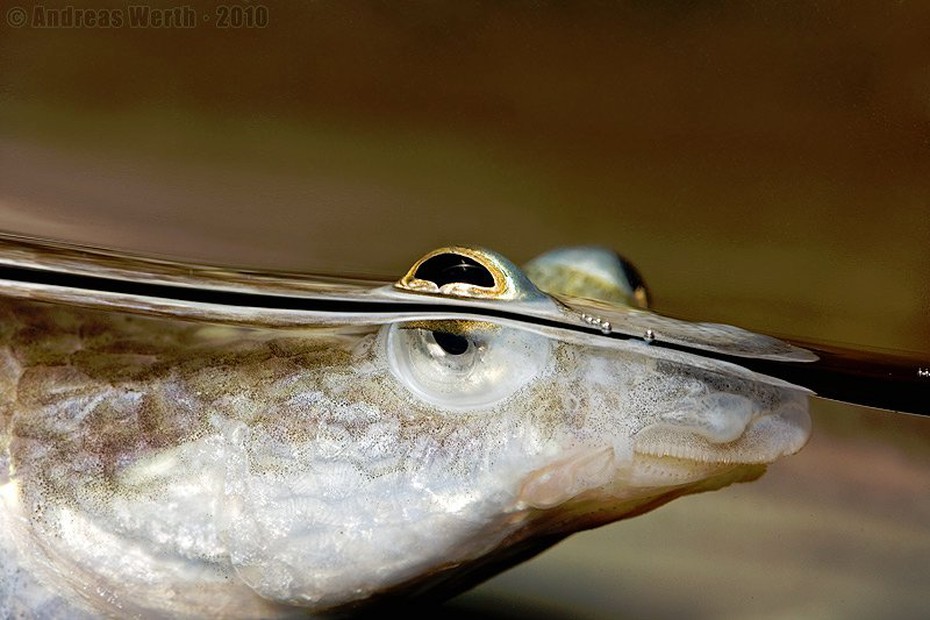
(445, 268)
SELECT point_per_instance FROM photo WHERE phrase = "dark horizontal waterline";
(883, 381)
(266, 301)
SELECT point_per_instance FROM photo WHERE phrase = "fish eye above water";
(188, 441)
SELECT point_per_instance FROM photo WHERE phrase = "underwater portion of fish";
(153, 465)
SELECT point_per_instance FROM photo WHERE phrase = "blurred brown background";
(765, 164)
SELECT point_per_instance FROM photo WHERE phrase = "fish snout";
(724, 427)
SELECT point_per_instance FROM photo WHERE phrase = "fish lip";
(767, 437)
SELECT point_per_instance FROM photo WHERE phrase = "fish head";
(440, 451)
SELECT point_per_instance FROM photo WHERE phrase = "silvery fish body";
(191, 442)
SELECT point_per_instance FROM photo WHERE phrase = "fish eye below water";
(478, 366)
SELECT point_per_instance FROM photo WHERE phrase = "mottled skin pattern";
(150, 466)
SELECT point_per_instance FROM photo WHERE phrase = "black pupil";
(445, 268)
(451, 343)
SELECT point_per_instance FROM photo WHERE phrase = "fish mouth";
(683, 449)
(728, 429)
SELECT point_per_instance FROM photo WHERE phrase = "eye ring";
(464, 365)
(473, 272)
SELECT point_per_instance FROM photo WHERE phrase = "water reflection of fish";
(190, 441)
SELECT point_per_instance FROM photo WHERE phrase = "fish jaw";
(682, 430)
(645, 483)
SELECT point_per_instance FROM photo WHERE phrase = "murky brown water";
(763, 166)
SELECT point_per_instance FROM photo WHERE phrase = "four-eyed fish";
(188, 441)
